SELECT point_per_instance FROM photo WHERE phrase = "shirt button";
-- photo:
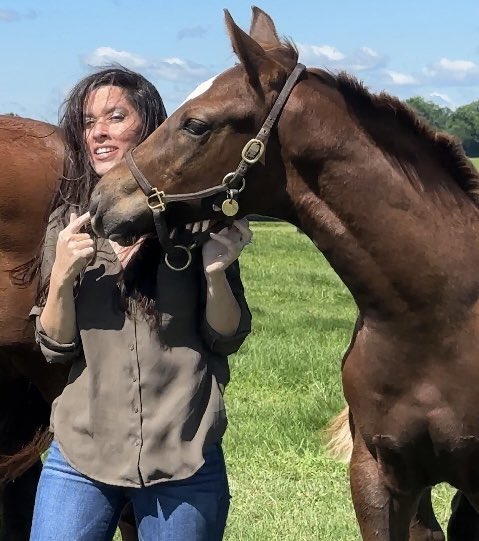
(136, 410)
(131, 347)
(137, 443)
(134, 379)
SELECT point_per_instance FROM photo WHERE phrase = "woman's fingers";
(85, 253)
(222, 239)
(77, 222)
(80, 236)
(80, 244)
(246, 235)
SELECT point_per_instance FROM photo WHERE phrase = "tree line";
(462, 122)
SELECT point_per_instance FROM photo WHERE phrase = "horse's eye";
(195, 127)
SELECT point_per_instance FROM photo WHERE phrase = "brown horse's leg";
(127, 524)
(18, 502)
(424, 525)
(464, 522)
(382, 515)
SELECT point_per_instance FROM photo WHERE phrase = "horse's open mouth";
(123, 240)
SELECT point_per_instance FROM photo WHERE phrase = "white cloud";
(319, 53)
(362, 59)
(170, 69)
(444, 98)
(398, 78)
(448, 71)
(176, 69)
(107, 55)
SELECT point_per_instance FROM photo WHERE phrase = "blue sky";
(405, 47)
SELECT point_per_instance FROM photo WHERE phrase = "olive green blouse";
(140, 405)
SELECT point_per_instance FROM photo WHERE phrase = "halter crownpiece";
(233, 183)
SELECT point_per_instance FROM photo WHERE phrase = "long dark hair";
(79, 178)
(138, 283)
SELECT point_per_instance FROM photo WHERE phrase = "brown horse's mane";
(448, 149)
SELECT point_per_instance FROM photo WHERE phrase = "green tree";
(438, 116)
(465, 124)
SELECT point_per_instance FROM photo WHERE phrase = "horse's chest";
(423, 438)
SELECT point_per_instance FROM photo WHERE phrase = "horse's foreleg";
(18, 499)
(382, 515)
(424, 525)
(127, 524)
(464, 522)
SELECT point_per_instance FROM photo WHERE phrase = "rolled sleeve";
(227, 345)
(53, 351)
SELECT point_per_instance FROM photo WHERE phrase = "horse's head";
(201, 142)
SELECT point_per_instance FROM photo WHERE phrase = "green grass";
(475, 161)
(285, 386)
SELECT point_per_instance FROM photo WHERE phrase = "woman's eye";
(118, 118)
(195, 127)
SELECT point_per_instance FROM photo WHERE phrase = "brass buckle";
(248, 147)
(155, 200)
(188, 258)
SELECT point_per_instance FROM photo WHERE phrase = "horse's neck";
(397, 248)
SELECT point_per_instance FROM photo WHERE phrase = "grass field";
(475, 161)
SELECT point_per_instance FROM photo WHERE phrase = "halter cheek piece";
(232, 184)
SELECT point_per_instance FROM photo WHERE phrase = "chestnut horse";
(31, 155)
(31, 162)
(393, 206)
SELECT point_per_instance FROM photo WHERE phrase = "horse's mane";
(448, 148)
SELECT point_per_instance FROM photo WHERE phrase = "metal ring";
(232, 175)
(188, 262)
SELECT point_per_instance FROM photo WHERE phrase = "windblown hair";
(79, 178)
(138, 283)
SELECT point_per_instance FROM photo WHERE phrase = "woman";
(142, 417)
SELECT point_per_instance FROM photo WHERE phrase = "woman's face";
(112, 127)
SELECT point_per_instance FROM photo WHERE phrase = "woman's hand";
(226, 246)
(73, 252)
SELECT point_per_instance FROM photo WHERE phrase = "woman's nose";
(100, 130)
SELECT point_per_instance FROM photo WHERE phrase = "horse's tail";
(340, 441)
(12, 466)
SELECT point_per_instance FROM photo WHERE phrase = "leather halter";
(233, 183)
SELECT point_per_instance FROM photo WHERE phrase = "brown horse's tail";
(340, 441)
(12, 466)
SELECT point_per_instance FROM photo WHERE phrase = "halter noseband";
(233, 183)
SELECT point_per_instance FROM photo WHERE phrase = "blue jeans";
(72, 507)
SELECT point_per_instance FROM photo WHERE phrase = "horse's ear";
(252, 56)
(263, 30)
